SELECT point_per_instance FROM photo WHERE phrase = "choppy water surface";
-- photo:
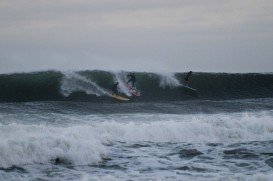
(64, 126)
(80, 141)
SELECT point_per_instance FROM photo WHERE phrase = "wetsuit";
(132, 79)
(187, 78)
(115, 88)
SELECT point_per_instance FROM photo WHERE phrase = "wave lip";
(91, 86)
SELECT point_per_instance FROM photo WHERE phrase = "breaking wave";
(92, 86)
(85, 142)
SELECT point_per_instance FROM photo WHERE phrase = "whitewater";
(63, 126)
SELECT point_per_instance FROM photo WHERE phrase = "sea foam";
(85, 142)
(26, 144)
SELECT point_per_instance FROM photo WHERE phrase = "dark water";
(87, 85)
(62, 126)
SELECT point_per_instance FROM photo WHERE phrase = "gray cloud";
(232, 36)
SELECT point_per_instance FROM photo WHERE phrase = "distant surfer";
(115, 88)
(132, 79)
(187, 78)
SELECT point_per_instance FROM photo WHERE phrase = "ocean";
(63, 126)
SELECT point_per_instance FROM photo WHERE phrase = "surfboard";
(133, 90)
(116, 96)
(119, 97)
(189, 88)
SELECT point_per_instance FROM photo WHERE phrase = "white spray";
(121, 78)
(168, 80)
(74, 82)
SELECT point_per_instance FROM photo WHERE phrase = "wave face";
(91, 85)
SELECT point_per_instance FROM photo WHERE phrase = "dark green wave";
(47, 86)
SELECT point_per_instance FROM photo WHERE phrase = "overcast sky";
(140, 35)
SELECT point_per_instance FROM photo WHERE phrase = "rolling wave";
(91, 85)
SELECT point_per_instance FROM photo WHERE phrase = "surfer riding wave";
(132, 79)
(187, 78)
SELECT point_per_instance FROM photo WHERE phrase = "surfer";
(132, 79)
(187, 78)
(115, 88)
